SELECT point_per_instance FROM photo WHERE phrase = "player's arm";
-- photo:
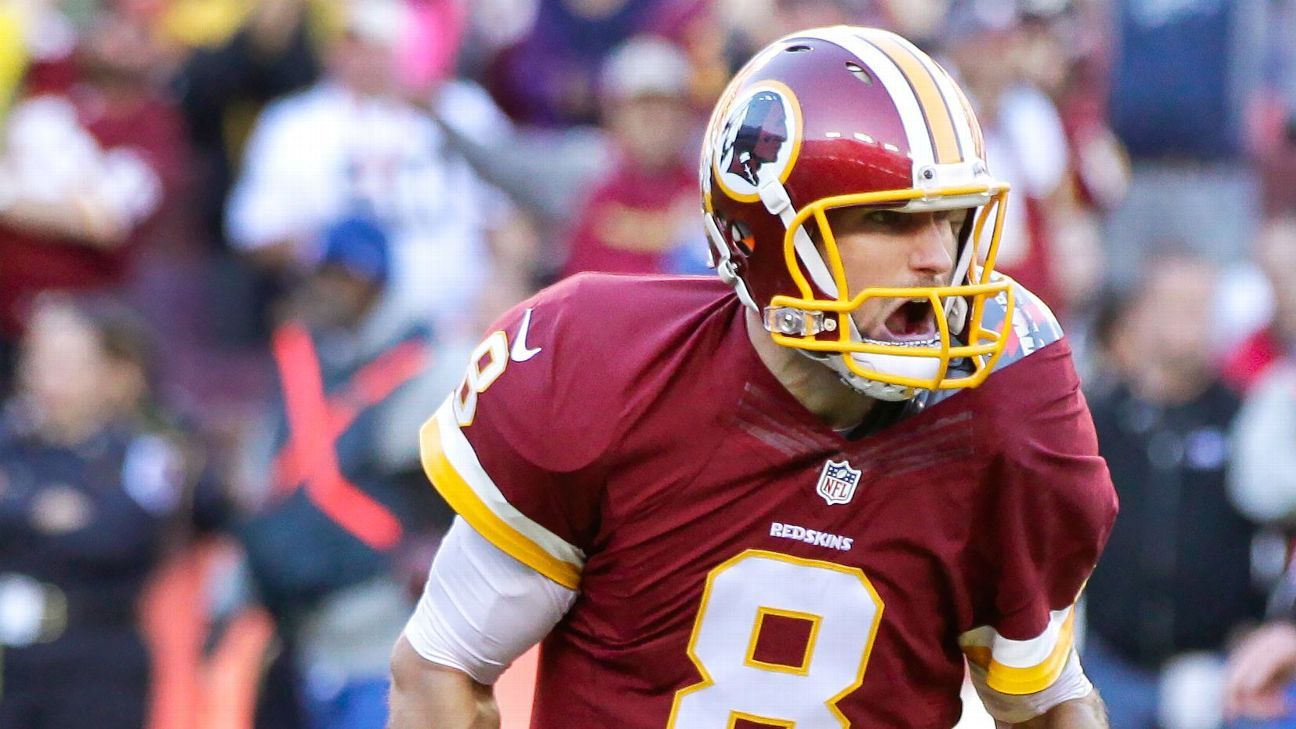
(1084, 713)
(1059, 698)
(480, 610)
(426, 695)
(1036, 682)
(514, 460)
(1055, 509)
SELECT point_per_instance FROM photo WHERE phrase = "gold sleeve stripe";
(1017, 680)
(512, 532)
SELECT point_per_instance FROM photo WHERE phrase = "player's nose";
(931, 248)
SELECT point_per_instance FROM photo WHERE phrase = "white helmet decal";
(758, 142)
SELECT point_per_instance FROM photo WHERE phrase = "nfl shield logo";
(837, 482)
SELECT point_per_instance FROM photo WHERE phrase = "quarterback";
(801, 495)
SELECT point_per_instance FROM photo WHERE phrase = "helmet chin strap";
(872, 388)
(776, 200)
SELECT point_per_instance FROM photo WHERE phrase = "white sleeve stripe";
(459, 452)
(1020, 653)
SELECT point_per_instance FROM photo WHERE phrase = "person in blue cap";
(332, 523)
(348, 282)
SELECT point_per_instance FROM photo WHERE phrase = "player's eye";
(884, 218)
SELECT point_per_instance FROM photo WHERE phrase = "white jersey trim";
(453, 466)
(1020, 667)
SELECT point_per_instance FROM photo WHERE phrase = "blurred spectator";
(638, 215)
(1260, 673)
(243, 56)
(1183, 76)
(549, 75)
(81, 172)
(1263, 480)
(513, 158)
(1177, 576)
(1272, 114)
(91, 485)
(270, 55)
(354, 145)
(1275, 256)
(1026, 143)
(757, 23)
(333, 505)
(13, 53)
(1064, 54)
(1108, 348)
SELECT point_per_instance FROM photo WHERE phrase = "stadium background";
(1151, 145)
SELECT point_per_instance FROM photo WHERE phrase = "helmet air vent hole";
(858, 72)
(797, 49)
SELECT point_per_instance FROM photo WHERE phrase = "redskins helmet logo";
(758, 141)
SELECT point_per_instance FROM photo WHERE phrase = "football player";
(798, 496)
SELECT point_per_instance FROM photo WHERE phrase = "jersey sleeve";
(1053, 509)
(517, 449)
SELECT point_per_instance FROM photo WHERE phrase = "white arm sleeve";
(1009, 709)
(481, 608)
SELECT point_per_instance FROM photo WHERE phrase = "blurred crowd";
(246, 247)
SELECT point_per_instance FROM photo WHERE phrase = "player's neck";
(813, 385)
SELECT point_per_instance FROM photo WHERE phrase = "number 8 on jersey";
(843, 611)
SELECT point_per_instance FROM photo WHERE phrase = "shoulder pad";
(1033, 327)
(1033, 324)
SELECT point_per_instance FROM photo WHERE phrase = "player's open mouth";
(911, 321)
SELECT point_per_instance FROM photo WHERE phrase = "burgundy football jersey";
(738, 562)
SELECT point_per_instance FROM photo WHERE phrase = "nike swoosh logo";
(521, 352)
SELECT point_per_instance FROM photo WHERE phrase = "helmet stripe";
(965, 121)
(897, 86)
(978, 139)
(960, 111)
(936, 109)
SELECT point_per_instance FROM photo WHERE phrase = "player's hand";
(1258, 673)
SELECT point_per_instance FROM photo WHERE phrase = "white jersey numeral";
(487, 363)
(841, 611)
